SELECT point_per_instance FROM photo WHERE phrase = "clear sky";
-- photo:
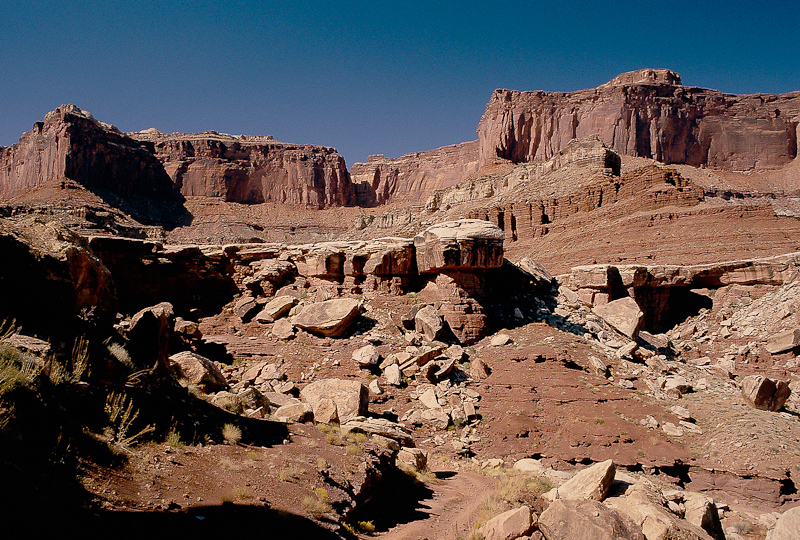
(380, 77)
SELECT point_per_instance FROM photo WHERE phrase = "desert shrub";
(17, 369)
(121, 417)
(366, 526)
(356, 437)
(289, 474)
(174, 439)
(317, 504)
(352, 450)
(232, 434)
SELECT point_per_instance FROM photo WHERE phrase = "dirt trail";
(457, 497)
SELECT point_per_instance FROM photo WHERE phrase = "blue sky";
(364, 77)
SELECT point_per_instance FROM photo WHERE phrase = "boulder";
(415, 458)
(197, 370)
(783, 342)
(499, 340)
(294, 412)
(645, 505)
(245, 308)
(787, 527)
(149, 334)
(590, 483)
(380, 426)
(702, 512)
(30, 345)
(429, 323)
(585, 519)
(509, 525)
(351, 397)
(535, 269)
(478, 369)
(325, 411)
(282, 329)
(462, 244)
(765, 394)
(393, 375)
(367, 356)
(330, 318)
(624, 315)
(276, 308)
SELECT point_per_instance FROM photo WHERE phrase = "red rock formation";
(413, 177)
(70, 144)
(252, 169)
(646, 113)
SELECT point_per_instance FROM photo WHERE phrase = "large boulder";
(197, 370)
(586, 519)
(351, 397)
(787, 527)
(330, 318)
(701, 511)
(367, 356)
(590, 483)
(765, 394)
(645, 505)
(428, 322)
(276, 308)
(459, 245)
(149, 334)
(624, 315)
(509, 525)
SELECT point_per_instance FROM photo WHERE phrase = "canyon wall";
(646, 113)
(252, 170)
(413, 177)
(71, 144)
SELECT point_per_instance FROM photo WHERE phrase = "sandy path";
(451, 511)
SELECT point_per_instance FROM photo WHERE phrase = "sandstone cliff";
(413, 177)
(646, 113)
(71, 145)
(252, 170)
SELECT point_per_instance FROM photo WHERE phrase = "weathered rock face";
(252, 169)
(49, 277)
(71, 144)
(646, 113)
(458, 245)
(413, 177)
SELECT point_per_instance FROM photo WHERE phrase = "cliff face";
(70, 144)
(646, 113)
(252, 170)
(413, 177)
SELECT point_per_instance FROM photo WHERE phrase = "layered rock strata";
(646, 113)
(413, 177)
(252, 169)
